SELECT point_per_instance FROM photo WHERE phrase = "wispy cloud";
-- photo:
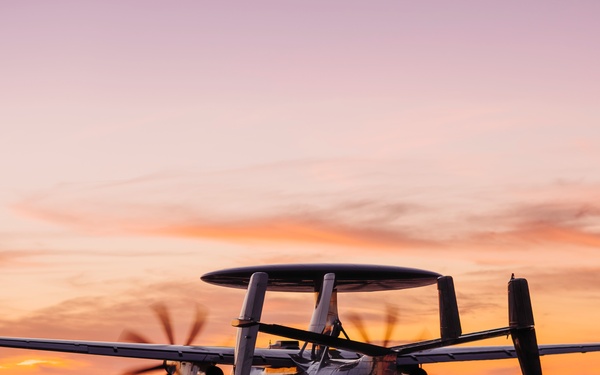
(299, 230)
(567, 223)
(344, 210)
(15, 258)
(116, 209)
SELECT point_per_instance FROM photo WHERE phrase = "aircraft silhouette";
(326, 349)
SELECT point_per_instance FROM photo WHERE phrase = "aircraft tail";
(251, 311)
(449, 317)
(522, 329)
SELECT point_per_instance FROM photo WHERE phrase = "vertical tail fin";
(520, 314)
(449, 319)
(246, 336)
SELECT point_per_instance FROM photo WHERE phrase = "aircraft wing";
(270, 357)
(197, 354)
(478, 353)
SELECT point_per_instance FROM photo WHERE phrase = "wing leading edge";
(196, 354)
(481, 353)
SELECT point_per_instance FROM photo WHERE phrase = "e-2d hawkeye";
(327, 349)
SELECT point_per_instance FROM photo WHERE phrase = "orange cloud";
(354, 223)
(363, 219)
(552, 233)
(15, 258)
(290, 229)
(201, 207)
(557, 223)
(34, 362)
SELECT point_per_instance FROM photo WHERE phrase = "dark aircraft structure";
(326, 348)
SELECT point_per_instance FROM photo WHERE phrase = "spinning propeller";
(162, 313)
(391, 321)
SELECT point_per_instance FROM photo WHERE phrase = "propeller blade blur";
(391, 320)
(360, 326)
(199, 321)
(131, 336)
(163, 315)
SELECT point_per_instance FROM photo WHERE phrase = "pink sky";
(143, 144)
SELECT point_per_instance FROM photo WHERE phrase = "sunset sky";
(145, 143)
